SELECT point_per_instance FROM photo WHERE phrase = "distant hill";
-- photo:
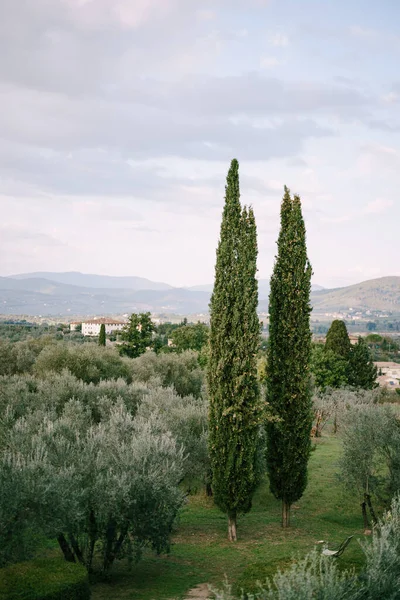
(37, 296)
(96, 281)
(375, 294)
(263, 288)
(31, 295)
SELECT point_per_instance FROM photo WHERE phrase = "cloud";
(278, 39)
(10, 234)
(268, 62)
(378, 206)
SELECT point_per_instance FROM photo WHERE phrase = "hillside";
(381, 294)
(37, 296)
(96, 281)
(31, 295)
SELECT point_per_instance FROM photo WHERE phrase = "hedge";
(44, 579)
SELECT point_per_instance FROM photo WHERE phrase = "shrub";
(182, 371)
(44, 579)
(89, 362)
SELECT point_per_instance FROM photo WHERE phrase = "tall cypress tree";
(232, 373)
(102, 336)
(289, 350)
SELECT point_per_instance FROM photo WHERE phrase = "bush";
(44, 579)
(90, 363)
(182, 371)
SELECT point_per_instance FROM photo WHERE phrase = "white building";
(93, 327)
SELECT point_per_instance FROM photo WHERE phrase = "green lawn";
(201, 552)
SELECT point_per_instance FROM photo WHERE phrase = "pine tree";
(232, 370)
(337, 339)
(102, 336)
(362, 371)
(289, 350)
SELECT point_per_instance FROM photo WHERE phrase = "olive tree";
(182, 371)
(187, 419)
(369, 462)
(110, 487)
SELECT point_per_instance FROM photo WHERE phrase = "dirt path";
(200, 592)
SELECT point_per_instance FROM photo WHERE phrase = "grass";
(202, 554)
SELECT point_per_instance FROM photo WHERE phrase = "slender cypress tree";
(232, 373)
(102, 336)
(289, 350)
(337, 339)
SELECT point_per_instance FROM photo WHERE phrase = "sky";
(119, 119)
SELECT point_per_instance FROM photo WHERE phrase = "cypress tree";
(102, 336)
(289, 350)
(362, 371)
(337, 339)
(232, 374)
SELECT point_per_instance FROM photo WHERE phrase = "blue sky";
(120, 117)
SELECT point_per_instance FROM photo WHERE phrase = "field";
(202, 554)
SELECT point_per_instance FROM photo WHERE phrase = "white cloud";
(378, 206)
(391, 98)
(268, 62)
(278, 39)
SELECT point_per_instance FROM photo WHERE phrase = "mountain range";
(60, 294)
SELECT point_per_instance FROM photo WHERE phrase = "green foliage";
(371, 326)
(362, 372)
(288, 372)
(20, 395)
(190, 337)
(337, 339)
(137, 336)
(44, 579)
(370, 462)
(102, 336)
(381, 579)
(182, 371)
(89, 362)
(328, 368)
(186, 418)
(374, 338)
(111, 486)
(232, 369)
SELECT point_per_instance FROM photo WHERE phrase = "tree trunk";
(108, 550)
(232, 528)
(364, 514)
(66, 550)
(367, 499)
(76, 549)
(318, 424)
(92, 538)
(109, 558)
(285, 514)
